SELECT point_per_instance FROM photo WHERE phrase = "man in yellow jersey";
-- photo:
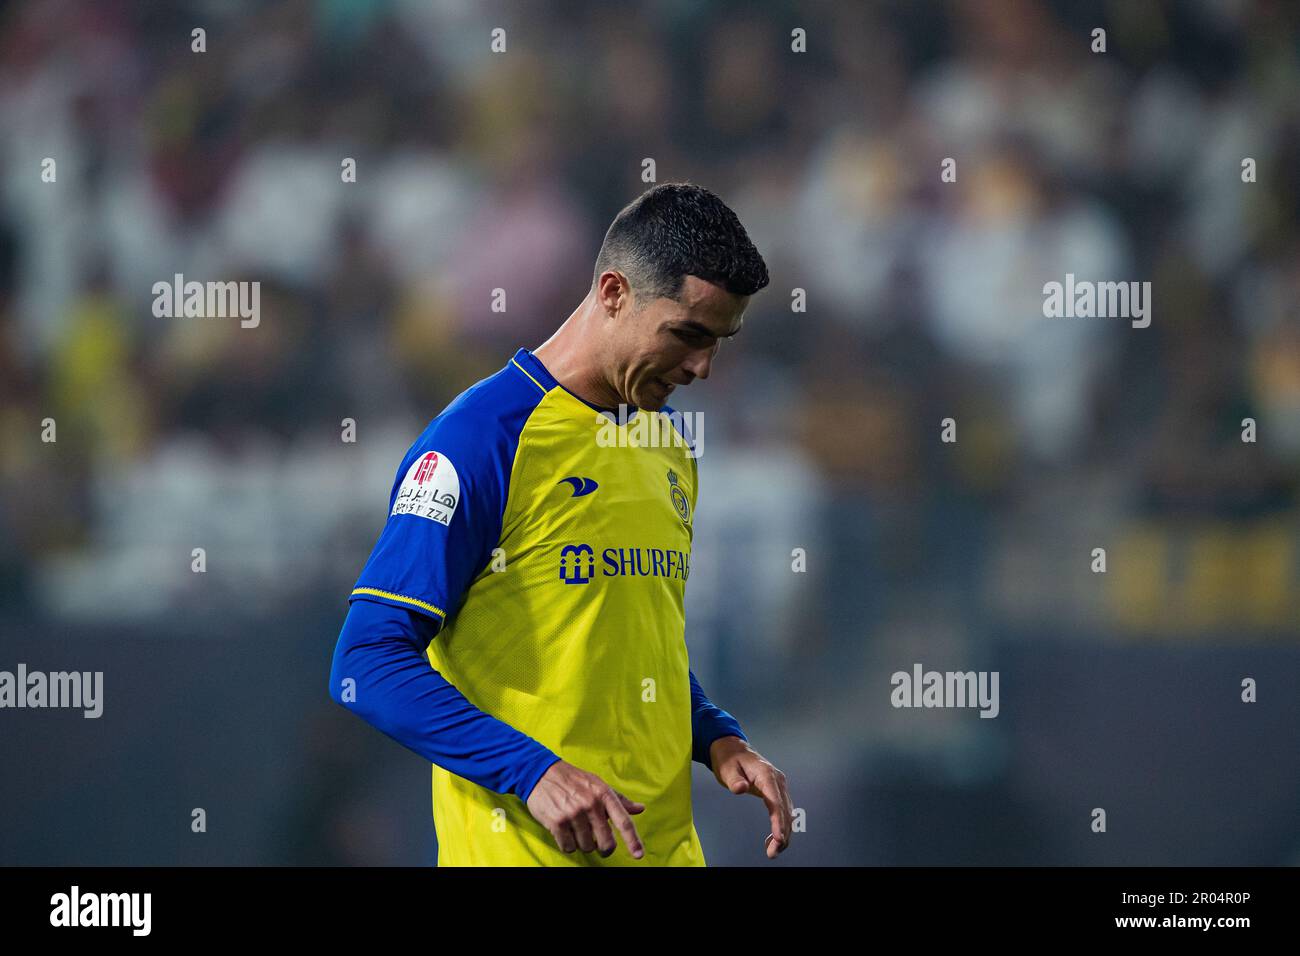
(520, 622)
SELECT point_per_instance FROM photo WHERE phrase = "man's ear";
(609, 292)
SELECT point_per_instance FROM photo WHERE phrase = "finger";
(734, 779)
(770, 845)
(601, 833)
(582, 833)
(624, 825)
(631, 806)
(788, 803)
(563, 834)
(787, 808)
(766, 787)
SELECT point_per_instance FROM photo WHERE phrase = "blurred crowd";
(920, 300)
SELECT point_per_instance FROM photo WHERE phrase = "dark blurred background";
(478, 170)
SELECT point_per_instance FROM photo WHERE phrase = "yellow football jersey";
(553, 539)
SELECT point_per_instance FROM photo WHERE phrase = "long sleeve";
(708, 723)
(380, 673)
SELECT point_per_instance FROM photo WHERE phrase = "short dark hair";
(673, 230)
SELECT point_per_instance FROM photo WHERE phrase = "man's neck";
(568, 356)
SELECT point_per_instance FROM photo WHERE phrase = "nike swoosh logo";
(581, 486)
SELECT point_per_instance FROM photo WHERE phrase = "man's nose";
(700, 362)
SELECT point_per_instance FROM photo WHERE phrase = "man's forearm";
(381, 649)
(708, 723)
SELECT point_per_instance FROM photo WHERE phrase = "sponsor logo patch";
(680, 503)
(431, 489)
(578, 563)
(581, 486)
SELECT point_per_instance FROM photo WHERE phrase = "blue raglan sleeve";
(708, 723)
(381, 674)
(445, 512)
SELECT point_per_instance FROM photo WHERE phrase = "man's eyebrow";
(703, 329)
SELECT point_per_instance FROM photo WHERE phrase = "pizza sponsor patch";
(431, 489)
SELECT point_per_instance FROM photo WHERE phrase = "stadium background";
(478, 170)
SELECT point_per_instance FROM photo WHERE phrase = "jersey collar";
(529, 362)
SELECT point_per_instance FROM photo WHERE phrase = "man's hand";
(742, 769)
(577, 808)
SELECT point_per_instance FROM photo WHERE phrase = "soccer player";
(537, 549)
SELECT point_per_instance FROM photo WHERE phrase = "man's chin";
(652, 399)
